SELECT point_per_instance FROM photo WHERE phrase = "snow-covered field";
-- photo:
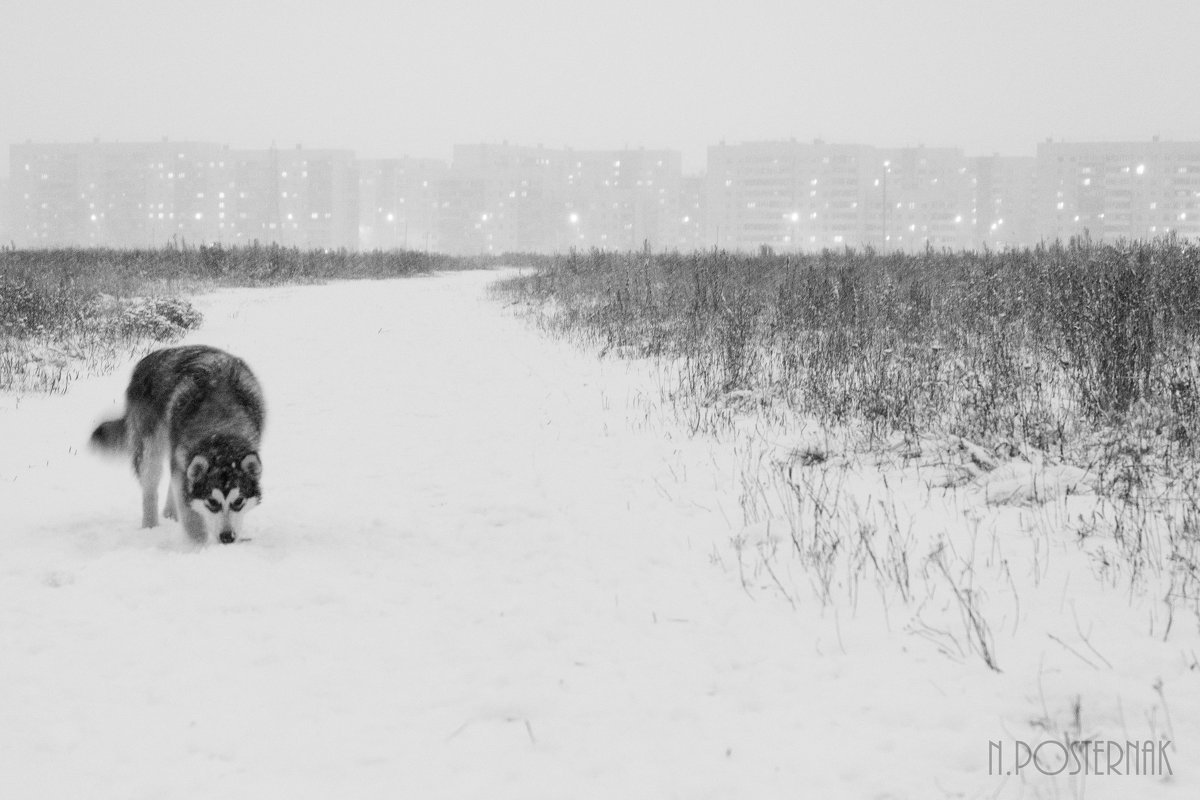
(486, 566)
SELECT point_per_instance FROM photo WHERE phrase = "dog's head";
(221, 490)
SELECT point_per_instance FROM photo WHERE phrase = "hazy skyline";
(394, 78)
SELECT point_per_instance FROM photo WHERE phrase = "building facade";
(925, 198)
(6, 230)
(501, 198)
(149, 194)
(398, 202)
(811, 196)
(1132, 190)
(123, 195)
(1005, 201)
(495, 198)
(295, 197)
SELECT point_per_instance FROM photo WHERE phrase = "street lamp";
(573, 220)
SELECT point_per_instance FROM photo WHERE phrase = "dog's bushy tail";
(109, 437)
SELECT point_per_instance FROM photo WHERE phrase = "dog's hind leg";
(148, 455)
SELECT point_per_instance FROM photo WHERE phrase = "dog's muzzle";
(227, 537)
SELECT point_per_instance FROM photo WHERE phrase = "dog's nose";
(227, 537)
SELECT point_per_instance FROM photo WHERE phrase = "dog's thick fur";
(201, 409)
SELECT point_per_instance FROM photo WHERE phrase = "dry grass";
(1060, 369)
(69, 312)
(1056, 348)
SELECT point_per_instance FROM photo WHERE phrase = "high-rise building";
(793, 195)
(752, 197)
(504, 197)
(811, 196)
(1132, 190)
(124, 195)
(296, 197)
(692, 210)
(507, 198)
(398, 201)
(6, 231)
(923, 197)
(1005, 197)
(623, 199)
(495, 198)
(148, 194)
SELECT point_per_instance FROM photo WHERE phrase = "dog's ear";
(196, 469)
(252, 466)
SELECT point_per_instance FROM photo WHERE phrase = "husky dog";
(200, 409)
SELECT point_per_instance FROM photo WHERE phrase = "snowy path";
(469, 578)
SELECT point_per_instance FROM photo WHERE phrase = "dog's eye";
(213, 504)
(236, 505)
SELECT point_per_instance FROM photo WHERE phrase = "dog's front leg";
(193, 525)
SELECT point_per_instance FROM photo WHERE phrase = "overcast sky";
(392, 78)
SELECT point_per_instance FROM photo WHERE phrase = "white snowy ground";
(472, 577)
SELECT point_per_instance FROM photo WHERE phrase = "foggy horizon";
(389, 81)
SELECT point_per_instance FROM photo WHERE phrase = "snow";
(487, 564)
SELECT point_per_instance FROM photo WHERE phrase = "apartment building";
(125, 195)
(922, 197)
(623, 199)
(1005, 198)
(752, 195)
(690, 232)
(148, 194)
(493, 198)
(810, 196)
(6, 230)
(504, 198)
(295, 197)
(398, 203)
(1118, 189)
